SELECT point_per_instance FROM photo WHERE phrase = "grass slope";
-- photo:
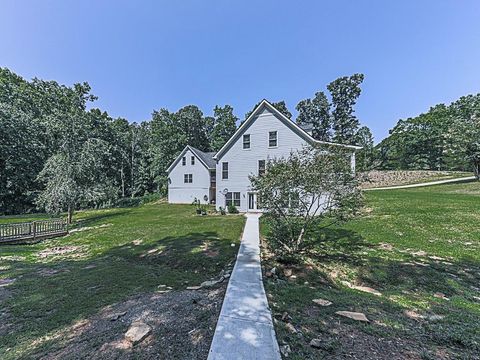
(414, 246)
(117, 253)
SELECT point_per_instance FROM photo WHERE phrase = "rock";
(268, 274)
(285, 316)
(285, 350)
(137, 242)
(194, 287)
(116, 316)
(435, 317)
(440, 295)
(419, 253)
(319, 344)
(232, 245)
(367, 290)
(291, 328)
(273, 270)
(6, 282)
(137, 332)
(353, 315)
(413, 315)
(162, 286)
(226, 276)
(287, 272)
(211, 283)
(322, 302)
(386, 246)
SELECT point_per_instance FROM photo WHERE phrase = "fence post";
(34, 230)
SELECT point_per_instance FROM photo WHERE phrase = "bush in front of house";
(311, 189)
(232, 209)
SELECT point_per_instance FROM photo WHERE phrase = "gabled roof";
(289, 123)
(206, 158)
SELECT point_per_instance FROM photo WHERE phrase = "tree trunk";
(476, 168)
(122, 175)
(69, 214)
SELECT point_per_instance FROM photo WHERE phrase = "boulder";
(137, 332)
(285, 350)
(353, 315)
(322, 302)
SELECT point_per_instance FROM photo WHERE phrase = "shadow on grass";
(49, 297)
(431, 287)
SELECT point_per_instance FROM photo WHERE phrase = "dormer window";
(193, 160)
(246, 141)
(184, 161)
(272, 139)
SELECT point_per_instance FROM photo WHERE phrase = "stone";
(116, 316)
(291, 328)
(321, 344)
(367, 290)
(413, 315)
(440, 295)
(273, 270)
(287, 272)
(435, 317)
(285, 350)
(386, 246)
(137, 242)
(211, 283)
(322, 302)
(353, 315)
(194, 287)
(6, 282)
(268, 274)
(285, 316)
(137, 332)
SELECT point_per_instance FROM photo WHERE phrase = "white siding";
(182, 193)
(244, 162)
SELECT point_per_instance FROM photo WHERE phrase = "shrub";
(232, 209)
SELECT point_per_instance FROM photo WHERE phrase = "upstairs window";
(188, 178)
(261, 167)
(224, 170)
(272, 139)
(184, 160)
(193, 160)
(246, 141)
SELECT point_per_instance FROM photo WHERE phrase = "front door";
(252, 201)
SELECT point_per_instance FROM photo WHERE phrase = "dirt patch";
(182, 322)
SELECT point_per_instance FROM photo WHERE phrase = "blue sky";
(144, 55)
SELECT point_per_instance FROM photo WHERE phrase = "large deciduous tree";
(316, 114)
(313, 187)
(345, 92)
(224, 126)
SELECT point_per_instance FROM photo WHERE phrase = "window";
(261, 167)
(193, 160)
(232, 198)
(246, 141)
(272, 139)
(184, 161)
(188, 178)
(224, 170)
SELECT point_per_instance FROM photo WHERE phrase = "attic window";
(246, 141)
(272, 139)
(193, 160)
(184, 161)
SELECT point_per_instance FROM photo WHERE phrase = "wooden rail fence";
(32, 231)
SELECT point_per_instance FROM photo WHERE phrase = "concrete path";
(245, 329)
(439, 182)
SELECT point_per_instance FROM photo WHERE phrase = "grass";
(412, 245)
(118, 253)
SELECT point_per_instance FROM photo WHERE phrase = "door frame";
(255, 202)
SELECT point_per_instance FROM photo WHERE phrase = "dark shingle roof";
(206, 157)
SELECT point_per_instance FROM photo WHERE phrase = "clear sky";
(144, 55)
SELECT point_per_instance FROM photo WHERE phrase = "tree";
(280, 106)
(345, 92)
(224, 126)
(316, 113)
(464, 136)
(366, 156)
(75, 174)
(312, 188)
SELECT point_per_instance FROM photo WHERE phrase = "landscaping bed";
(410, 264)
(57, 297)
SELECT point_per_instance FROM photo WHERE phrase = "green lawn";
(118, 253)
(412, 246)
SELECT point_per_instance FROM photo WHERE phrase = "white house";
(223, 178)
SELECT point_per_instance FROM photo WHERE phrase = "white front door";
(252, 201)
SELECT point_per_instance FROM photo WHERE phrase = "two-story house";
(223, 178)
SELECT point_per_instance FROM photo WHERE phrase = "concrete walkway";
(439, 182)
(245, 329)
